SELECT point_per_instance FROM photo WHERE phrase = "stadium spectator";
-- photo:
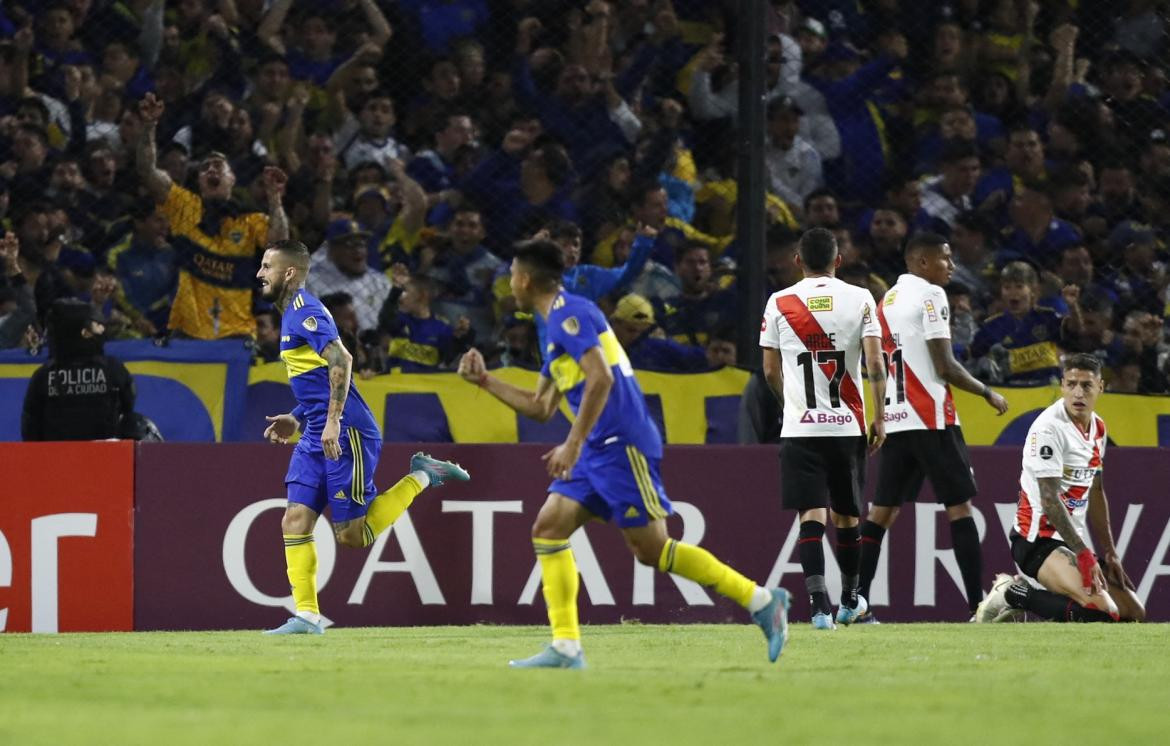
(342, 268)
(219, 244)
(701, 306)
(267, 349)
(646, 345)
(821, 209)
(434, 168)
(1035, 234)
(369, 136)
(1022, 344)
(146, 267)
(415, 339)
(464, 270)
(18, 311)
(948, 196)
(527, 184)
(1076, 268)
(794, 166)
(341, 307)
(1142, 339)
(974, 257)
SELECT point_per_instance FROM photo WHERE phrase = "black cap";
(781, 104)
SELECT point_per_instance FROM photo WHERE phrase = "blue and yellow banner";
(192, 390)
(206, 391)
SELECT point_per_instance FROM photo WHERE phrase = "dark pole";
(750, 216)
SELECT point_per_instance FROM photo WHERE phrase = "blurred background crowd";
(409, 143)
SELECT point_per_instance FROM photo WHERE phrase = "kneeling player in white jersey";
(1061, 484)
(924, 440)
(813, 336)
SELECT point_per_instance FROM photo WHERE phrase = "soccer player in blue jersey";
(608, 467)
(334, 461)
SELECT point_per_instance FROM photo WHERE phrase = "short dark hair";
(956, 150)
(818, 249)
(295, 252)
(923, 241)
(681, 251)
(542, 259)
(817, 194)
(554, 159)
(975, 222)
(1092, 302)
(1081, 361)
(564, 229)
(336, 300)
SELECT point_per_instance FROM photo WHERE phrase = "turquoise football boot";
(438, 471)
(296, 626)
(821, 620)
(847, 616)
(550, 657)
(773, 619)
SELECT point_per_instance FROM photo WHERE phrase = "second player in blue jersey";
(608, 466)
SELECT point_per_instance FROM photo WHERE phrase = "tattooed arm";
(1085, 561)
(340, 367)
(1057, 514)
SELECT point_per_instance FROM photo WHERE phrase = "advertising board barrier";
(66, 537)
(208, 553)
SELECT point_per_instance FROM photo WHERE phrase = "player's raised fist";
(472, 367)
(150, 109)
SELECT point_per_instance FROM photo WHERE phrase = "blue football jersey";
(575, 326)
(306, 329)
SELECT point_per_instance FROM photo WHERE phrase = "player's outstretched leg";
(769, 608)
(558, 519)
(389, 505)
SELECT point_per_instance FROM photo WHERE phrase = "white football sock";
(422, 478)
(571, 648)
(761, 597)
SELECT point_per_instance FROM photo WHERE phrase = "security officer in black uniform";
(80, 394)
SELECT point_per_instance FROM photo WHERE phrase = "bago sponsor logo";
(895, 416)
(824, 418)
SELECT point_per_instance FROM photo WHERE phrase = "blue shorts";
(345, 485)
(617, 482)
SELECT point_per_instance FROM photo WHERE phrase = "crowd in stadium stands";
(149, 149)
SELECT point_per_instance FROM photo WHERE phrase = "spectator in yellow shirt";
(218, 244)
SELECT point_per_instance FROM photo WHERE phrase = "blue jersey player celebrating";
(607, 467)
(333, 463)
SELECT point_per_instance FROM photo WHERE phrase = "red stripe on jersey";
(806, 327)
(1095, 461)
(949, 406)
(1024, 514)
(920, 398)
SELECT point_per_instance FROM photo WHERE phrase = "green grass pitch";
(685, 684)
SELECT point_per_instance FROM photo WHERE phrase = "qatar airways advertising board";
(209, 555)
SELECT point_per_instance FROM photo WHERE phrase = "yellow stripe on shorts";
(645, 483)
(359, 471)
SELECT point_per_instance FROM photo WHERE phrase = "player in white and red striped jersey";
(812, 336)
(1060, 484)
(924, 440)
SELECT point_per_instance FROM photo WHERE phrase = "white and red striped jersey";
(817, 325)
(1057, 447)
(917, 397)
